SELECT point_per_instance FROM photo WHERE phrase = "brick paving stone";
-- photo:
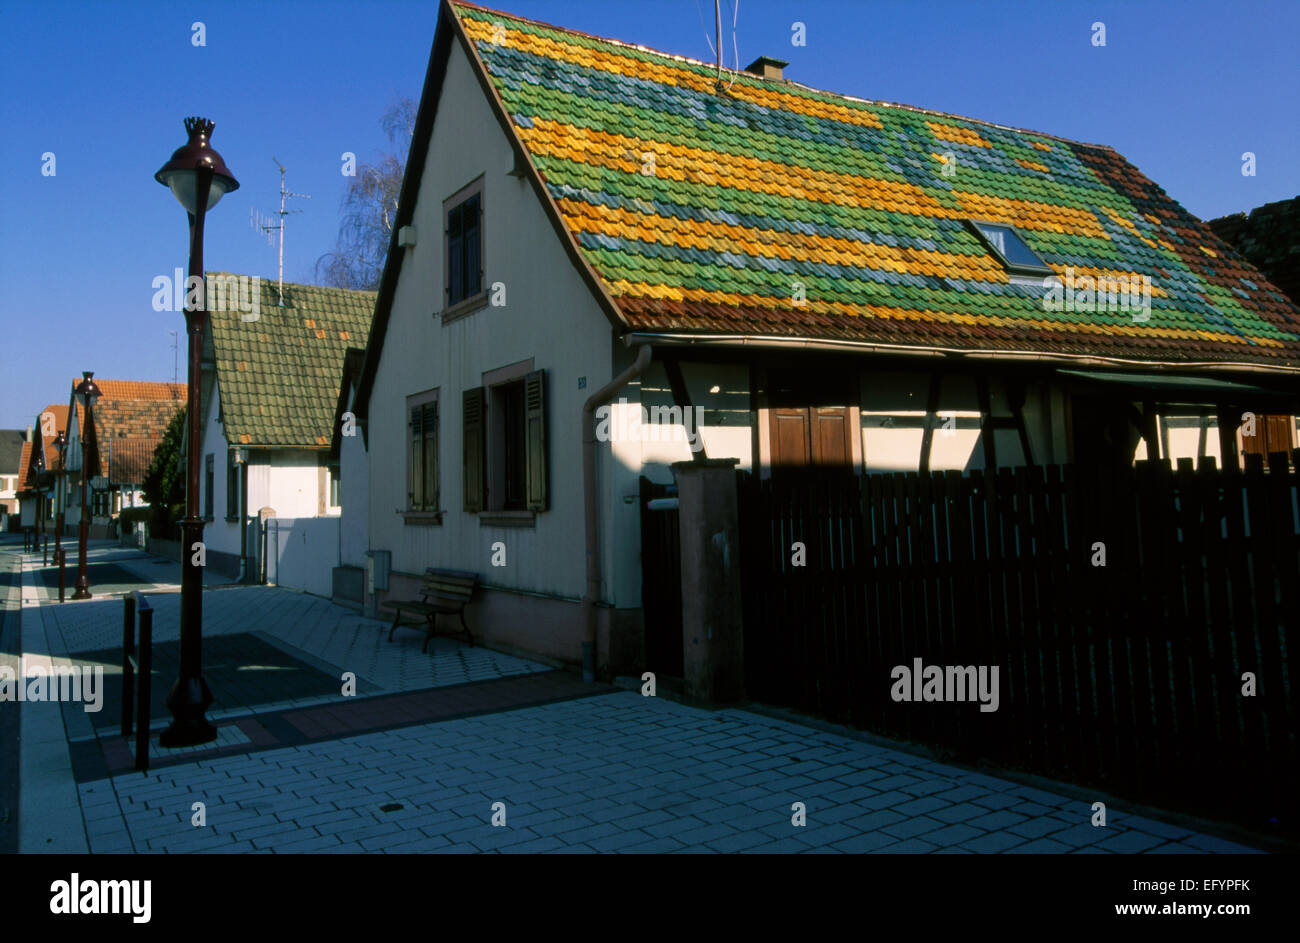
(884, 800)
(1152, 826)
(962, 812)
(874, 820)
(1129, 841)
(912, 846)
(1078, 835)
(952, 835)
(993, 842)
(737, 841)
(912, 826)
(1031, 808)
(863, 842)
(992, 821)
(1040, 846)
(1035, 827)
(997, 801)
(921, 806)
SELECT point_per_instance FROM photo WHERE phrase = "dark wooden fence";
(1127, 676)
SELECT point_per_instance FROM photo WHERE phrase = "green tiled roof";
(279, 375)
(711, 211)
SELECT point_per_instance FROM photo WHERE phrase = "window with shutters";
(463, 284)
(422, 451)
(506, 448)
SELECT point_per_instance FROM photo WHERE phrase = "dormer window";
(1010, 248)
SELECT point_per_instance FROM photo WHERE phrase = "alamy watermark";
(70, 683)
(240, 293)
(655, 424)
(946, 683)
(1087, 294)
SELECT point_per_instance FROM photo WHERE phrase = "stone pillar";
(712, 638)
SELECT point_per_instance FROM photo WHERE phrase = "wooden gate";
(661, 581)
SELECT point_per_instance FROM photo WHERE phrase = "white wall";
(288, 480)
(354, 492)
(302, 553)
(549, 317)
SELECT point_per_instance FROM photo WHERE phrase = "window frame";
(424, 510)
(451, 310)
(495, 509)
(1015, 268)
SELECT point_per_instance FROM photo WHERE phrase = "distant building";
(11, 453)
(271, 386)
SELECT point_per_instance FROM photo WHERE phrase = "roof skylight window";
(1011, 250)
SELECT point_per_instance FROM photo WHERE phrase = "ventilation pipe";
(590, 506)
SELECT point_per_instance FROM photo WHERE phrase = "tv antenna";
(266, 225)
(175, 347)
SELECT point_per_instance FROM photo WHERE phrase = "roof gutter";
(590, 507)
(866, 347)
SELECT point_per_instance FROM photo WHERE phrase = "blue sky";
(1181, 88)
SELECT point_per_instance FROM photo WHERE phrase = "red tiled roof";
(60, 424)
(128, 459)
(135, 409)
(24, 468)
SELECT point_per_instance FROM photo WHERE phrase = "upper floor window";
(1010, 248)
(463, 237)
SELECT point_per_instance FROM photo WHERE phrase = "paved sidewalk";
(431, 750)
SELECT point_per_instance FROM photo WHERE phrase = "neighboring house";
(1269, 239)
(129, 418)
(11, 455)
(822, 280)
(44, 467)
(270, 388)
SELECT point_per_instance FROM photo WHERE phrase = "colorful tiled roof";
(279, 375)
(700, 209)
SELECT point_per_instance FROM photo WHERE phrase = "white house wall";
(287, 481)
(354, 492)
(549, 317)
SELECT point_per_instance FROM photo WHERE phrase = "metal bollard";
(146, 671)
(62, 555)
(128, 661)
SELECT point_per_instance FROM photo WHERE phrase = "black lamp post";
(61, 445)
(198, 178)
(86, 393)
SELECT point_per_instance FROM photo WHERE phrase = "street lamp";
(61, 445)
(198, 178)
(86, 393)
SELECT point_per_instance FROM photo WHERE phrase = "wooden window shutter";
(535, 433)
(474, 439)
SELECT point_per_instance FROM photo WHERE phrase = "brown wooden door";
(1272, 434)
(804, 436)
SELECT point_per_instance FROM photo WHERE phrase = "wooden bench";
(445, 592)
